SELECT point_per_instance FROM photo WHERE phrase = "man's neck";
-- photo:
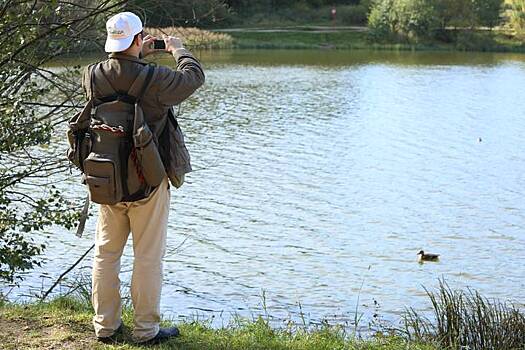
(135, 54)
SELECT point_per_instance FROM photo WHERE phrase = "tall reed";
(467, 320)
(194, 37)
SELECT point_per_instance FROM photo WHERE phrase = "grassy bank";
(309, 38)
(461, 319)
(65, 323)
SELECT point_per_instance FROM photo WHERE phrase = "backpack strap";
(135, 92)
(104, 81)
(141, 83)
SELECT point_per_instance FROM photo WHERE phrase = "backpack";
(110, 142)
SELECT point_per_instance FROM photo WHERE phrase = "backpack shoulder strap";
(139, 86)
(98, 76)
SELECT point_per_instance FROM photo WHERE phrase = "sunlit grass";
(468, 41)
(65, 323)
(467, 320)
(460, 320)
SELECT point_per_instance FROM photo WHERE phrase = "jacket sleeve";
(177, 85)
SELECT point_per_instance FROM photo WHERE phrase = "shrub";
(411, 19)
(487, 12)
(516, 15)
(381, 21)
(417, 18)
(471, 40)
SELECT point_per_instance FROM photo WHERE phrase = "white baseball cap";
(121, 29)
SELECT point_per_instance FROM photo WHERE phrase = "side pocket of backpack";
(102, 175)
(79, 147)
(78, 136)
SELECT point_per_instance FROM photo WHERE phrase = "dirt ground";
(42, 334)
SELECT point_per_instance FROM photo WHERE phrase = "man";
(146, 218)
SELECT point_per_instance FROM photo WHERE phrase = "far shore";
(357, 38)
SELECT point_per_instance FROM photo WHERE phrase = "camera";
(159, 45)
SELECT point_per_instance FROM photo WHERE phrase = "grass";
(300, 40)
(355, 40)
(467, 320)
(65, 323)
(460, 320)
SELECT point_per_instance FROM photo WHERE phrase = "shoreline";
(65, 323)
(463, 318)
(333, 39)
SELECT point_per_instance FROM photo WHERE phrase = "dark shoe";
(163, 335)
(112, 339)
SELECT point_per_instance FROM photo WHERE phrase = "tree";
(487, 12)
(382, 20)
(410, 19)
(417, 18)
(165, 13)
(516, 14)
(452, 12)
(33, 101)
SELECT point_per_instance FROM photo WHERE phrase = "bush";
(417, 18)
(381, 21)
(468, 40)
(487, 12)
(423, 19)
(409, 19)
(516, 15)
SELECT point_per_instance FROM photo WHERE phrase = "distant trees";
(516, 17)
(486, 13)
(166, 13)
(417, 19)
(349, 12)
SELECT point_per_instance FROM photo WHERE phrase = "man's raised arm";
(177, 85)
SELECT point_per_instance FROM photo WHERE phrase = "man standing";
(145, 216)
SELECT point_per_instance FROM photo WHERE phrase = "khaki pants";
(147, 220)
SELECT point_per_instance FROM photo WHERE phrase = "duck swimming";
(421, 257)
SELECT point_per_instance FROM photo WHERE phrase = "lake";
(319, 175)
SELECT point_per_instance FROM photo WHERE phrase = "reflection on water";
(321, 174)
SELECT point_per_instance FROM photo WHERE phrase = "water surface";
(320, 175)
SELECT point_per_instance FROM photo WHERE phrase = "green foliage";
(33, 101)
(469, 40)
(516, 14)
(382, 20)
(173, 13)
(353, 14)
(65, 323)
(486, 12)
(413, 20)
(416, 18)
(409, 19)
(290, 12)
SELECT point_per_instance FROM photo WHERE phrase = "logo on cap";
(117, 33)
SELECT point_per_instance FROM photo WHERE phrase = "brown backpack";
(113, 146)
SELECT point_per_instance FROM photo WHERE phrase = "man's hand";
(172, 43)
(147, 45)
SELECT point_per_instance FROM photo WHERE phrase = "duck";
(421, 257)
